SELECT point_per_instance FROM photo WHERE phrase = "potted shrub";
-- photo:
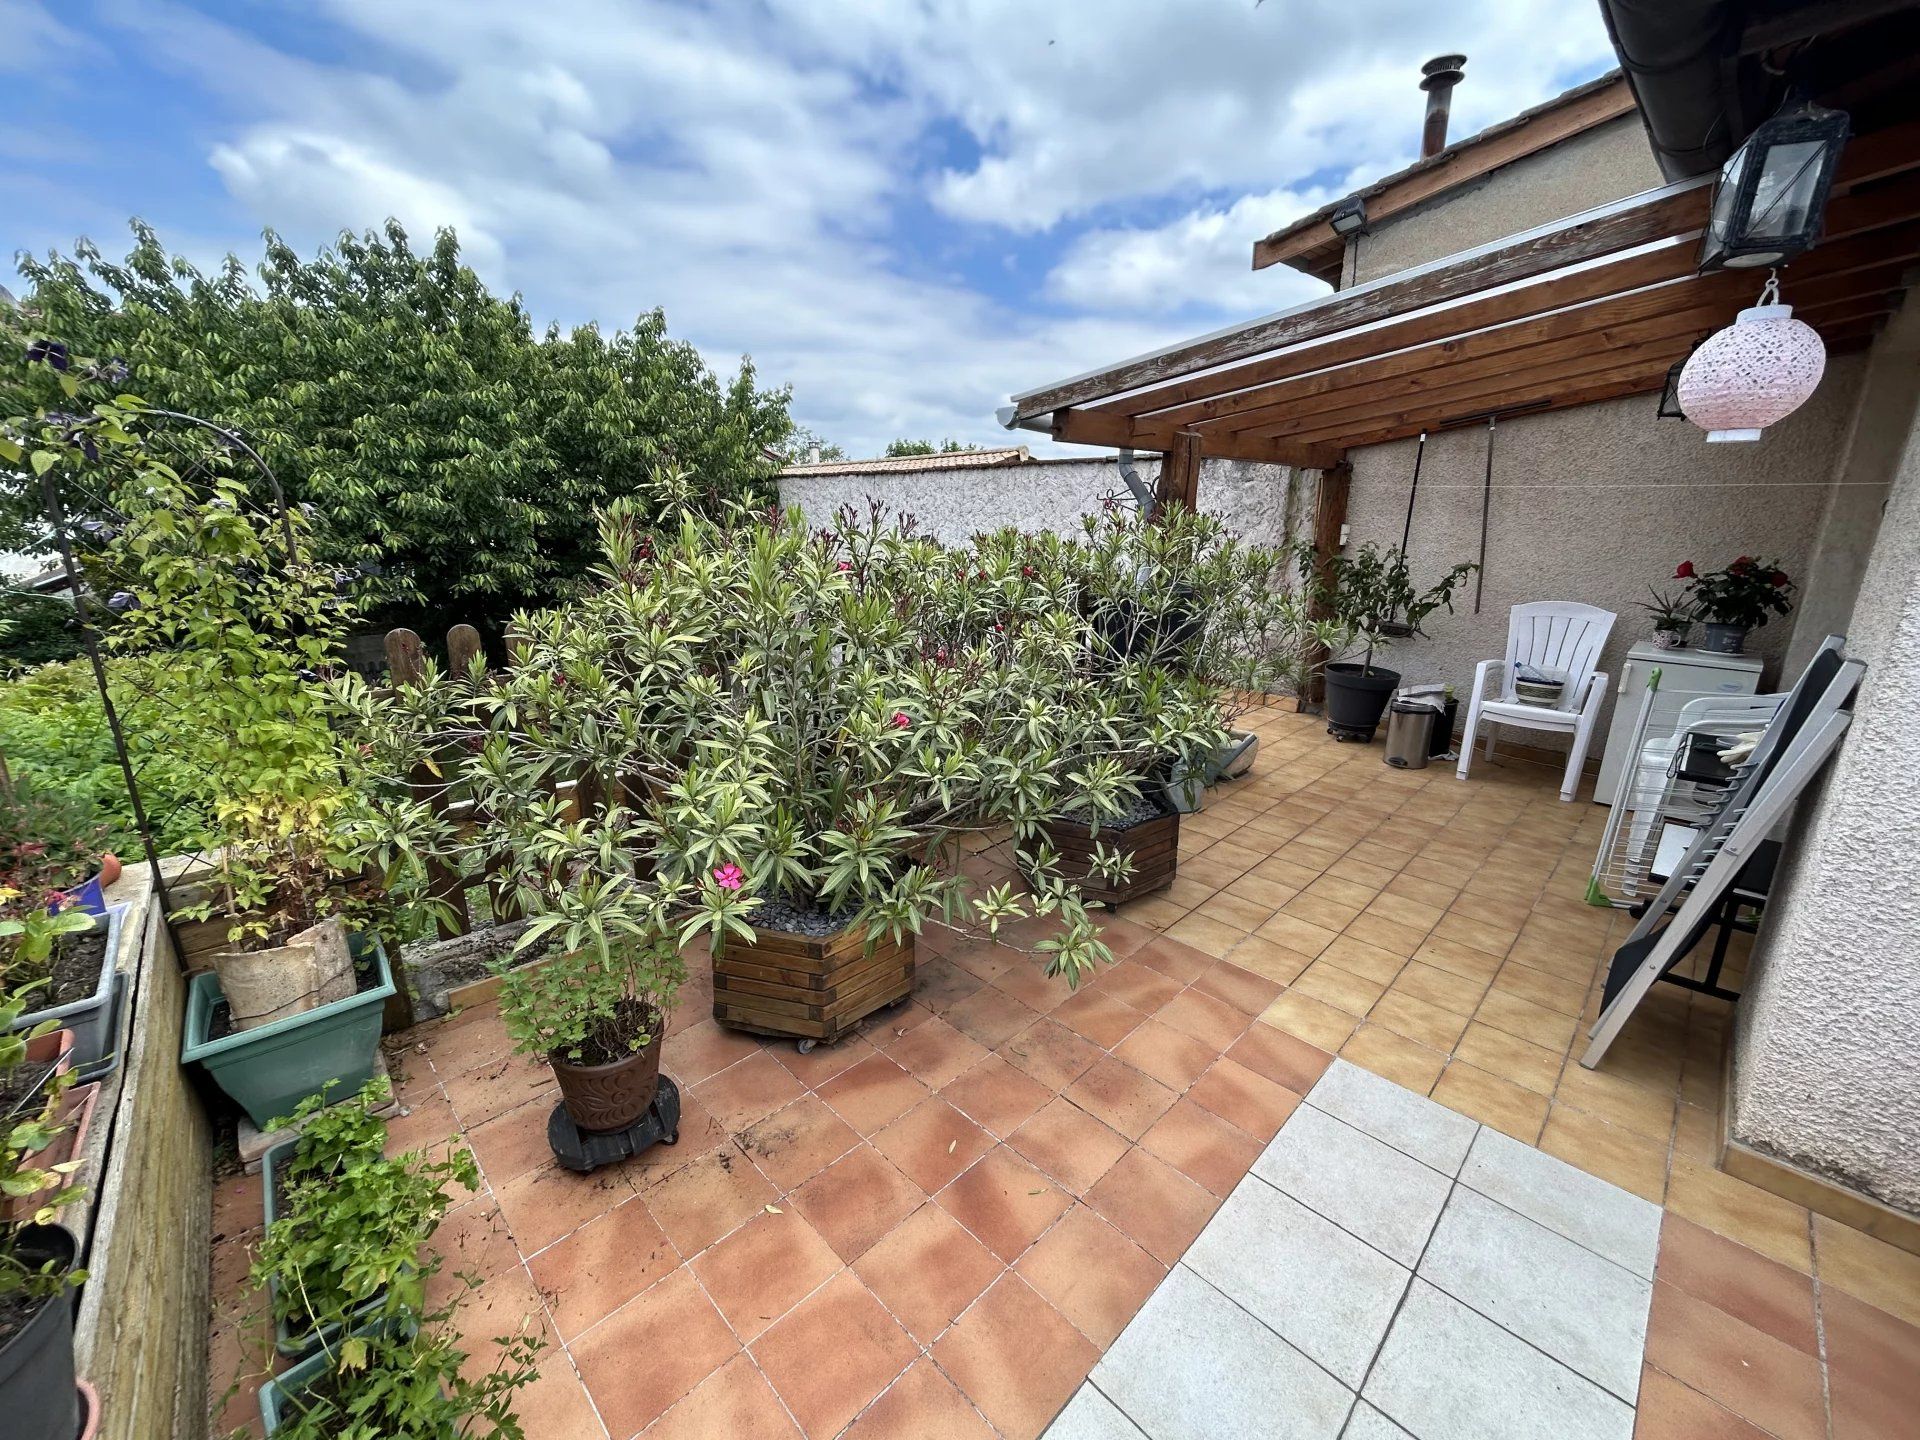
(38, 1259)
(1742, 597)
(1673, 615)
(347, 1219)
(1362, 603)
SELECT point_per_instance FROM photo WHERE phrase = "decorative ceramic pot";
(612, 1097)
(1725, 639)
(1670, 639)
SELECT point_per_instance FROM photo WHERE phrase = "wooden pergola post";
(1329, 519)
(1179, 478)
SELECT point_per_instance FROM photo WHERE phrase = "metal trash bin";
(1410, 733)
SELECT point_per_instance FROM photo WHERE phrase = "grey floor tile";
(1193, 1365)
(1586, 1312)
(1449, 1373)
(1369, 1424)
(1606, 1219)
(1422, 1128)
(1091, 1416)
(1363, 1185)
(1305, 1278)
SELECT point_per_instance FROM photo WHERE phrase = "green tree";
(444, 444)
(897, 448)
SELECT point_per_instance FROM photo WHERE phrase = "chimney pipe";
(1441, 74)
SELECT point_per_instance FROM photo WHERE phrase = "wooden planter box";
(814, 988)
(1155, 845)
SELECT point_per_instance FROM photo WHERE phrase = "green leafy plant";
(29, 1123)
(35, 629)
(1672, 613)
(33, 928)
(50, 840)
(1365, 600)
(1747, 593)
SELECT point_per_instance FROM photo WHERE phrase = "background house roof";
(1309, 243)
(895, 464)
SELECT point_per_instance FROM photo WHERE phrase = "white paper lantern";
(1757, 371)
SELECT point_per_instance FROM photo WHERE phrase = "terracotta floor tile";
(823, 1062)
(1025, 982)
(1750, 1373)
(1438, 987)
(1342, 989)
(734, 1402)
(1069, 1144)
(1767, 1295)
(1617, 1101)
(1245, 991)
(1205, 933)
(1418, 1020)
(1181, 963)
(467, 1041)
(508, 1304)
(935, 1053)
(747, 1091)
(1016, 1357)
(1374, 929)
(1544, 1027)
(856, 1200)
(1320, 911)
(1668, 1410)
(989, 1017)
(1549, 991)
(1210, 1021)
(1121, 1096)
(1458, 959)
(1004, 1201)
(941, 984)
(873, 1093)
(794, 1144)
(545, 1204)
(1269, 961)
(1874, 1368)
(928, 1270)
(1202, 1146)
(1099, 1017)
(510, 1145)
(1492, 1101)
(765, 1268)
(1290, 931)
(1175, 1059)
(1261, 891)
(1882, 1275)
(681, 1337)
(921, 1405)
(1091, 1273)
(555, 1406)
(996, 1096)
(1249, 1102)
(473, 1239)
(1627, 1159)
(1357, 957)
(601, 1266)
(1386, 1053)
(833, 1354)
(932, 1143)
(717, 1193)
(1311, 1020)
(691, 1055)
(1050, 1052)
(1239, 911)
(1140, 986)
(1158, 1207)
(1532, 1066)
(1756, 1218)
(479, 1094)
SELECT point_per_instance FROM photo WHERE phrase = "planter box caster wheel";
(673, 1139)
(806, 1046)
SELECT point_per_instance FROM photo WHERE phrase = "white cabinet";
(1684, 675)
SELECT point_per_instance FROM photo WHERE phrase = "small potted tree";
(1362, 603)
(1742, 597)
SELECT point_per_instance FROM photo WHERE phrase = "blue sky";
(905, 210)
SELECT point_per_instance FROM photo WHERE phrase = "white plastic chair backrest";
(1559, 635)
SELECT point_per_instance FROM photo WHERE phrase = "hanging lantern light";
(1757, 371)
(1670, 392)
(1772, 194)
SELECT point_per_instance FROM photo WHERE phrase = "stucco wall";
(1594, 504)
(1603, 164)
(1827, 1049)
(1263, 503)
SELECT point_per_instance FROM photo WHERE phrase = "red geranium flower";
(1777, 578)
(1745, 562)
(1685, 572)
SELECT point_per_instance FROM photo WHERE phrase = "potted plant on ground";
(1673, 615)
(1361, 603)
(67, 957)
(38, 1259)
(1742, 597)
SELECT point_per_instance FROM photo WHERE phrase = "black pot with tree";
(1361, 603)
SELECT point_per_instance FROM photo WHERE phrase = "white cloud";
(748, 163)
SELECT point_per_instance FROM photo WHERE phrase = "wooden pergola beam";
(1664, 214)
(1086, 427)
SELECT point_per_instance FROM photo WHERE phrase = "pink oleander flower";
(844, 565)
(901, 720)
(728, 877)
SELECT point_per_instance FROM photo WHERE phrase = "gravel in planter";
(1139, 812)
(778, 913)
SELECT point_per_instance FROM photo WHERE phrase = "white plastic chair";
(1563, 637)
(1657, 792)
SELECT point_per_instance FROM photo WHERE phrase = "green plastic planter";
(298, 1344)
(280, 1395)
(269, 1070)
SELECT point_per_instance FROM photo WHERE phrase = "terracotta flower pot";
(609, 1097)
(109, 869)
